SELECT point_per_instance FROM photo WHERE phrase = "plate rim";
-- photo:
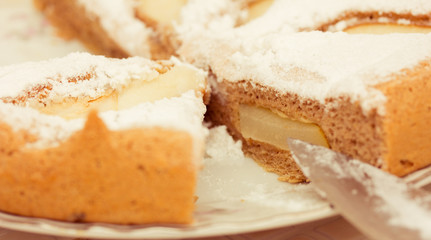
(159, 231)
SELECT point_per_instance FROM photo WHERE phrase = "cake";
(200, 32)
(90, 139)
(362, 95)
(123, 28)
(272, 22)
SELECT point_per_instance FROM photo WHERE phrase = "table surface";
(334, 228)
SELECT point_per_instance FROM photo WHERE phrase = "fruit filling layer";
(172, 83)
(161, 11)
(386, 28)
(258, 8)
(264, 125)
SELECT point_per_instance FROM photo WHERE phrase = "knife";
(380, 205)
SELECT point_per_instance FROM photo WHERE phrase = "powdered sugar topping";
(181, 113)
(210, 16)
(307, 15)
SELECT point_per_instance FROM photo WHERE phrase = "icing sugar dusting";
(219, 139)
(181, 113)
(216, 17)
(199, 16)
(306, 15)
(49, 130)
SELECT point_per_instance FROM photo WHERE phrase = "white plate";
(235, 195)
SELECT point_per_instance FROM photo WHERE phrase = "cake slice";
(260, 17)
(355, 16)
(89, 139)
(122, 28)
(366, 96)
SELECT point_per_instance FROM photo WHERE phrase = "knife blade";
(380, 205)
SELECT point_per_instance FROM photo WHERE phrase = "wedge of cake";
(122, 28)
(355, 16)
(363, 95)
(89, 139)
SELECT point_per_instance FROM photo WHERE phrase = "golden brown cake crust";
(99, 175)
(406, 125)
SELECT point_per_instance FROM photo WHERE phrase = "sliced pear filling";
(161, 11)
(386, 28)
(258, 8)
(263, 125)
(173, 83)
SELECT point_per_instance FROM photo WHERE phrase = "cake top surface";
(314, 65)
(293, 15)
(118, 19)
(84, 76)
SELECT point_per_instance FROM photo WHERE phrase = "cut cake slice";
(366, 96)
(122, 28)
(355, 16)
(89, 139)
